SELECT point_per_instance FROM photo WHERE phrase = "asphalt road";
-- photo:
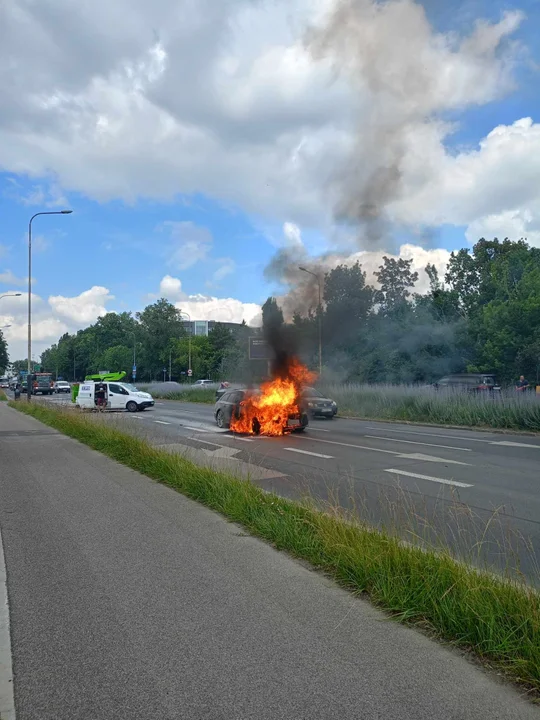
(129, 601)
(450, 486)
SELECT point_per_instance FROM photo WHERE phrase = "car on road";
(207, 384)
(61, 386)
(233, 403)
(4, 383)
(317, 405)
(469, 382)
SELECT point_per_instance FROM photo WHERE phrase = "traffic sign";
(259, 349)
(190, 372)
(134, 368)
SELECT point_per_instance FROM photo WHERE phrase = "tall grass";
(499, 620)
(3, 396)
(196, 395)
(386, 402)
(506, 410)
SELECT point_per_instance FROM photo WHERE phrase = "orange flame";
(269, 412)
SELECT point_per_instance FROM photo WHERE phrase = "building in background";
(203, 327)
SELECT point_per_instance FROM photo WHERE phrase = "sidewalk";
(129, 601)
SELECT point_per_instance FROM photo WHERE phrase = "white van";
(117, 396)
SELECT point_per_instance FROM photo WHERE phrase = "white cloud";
(201, 307)
(171, 288)
(226, 266)
(224, 97)
(84, 308)
(204, 307)
(51, 319)
(8, 278)
(190, 244)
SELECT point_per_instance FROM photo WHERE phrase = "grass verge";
(208, 397)
(496, 619)
(3, 396)
(506, 411)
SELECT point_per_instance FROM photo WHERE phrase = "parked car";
(208, 384)
(317, 405)
(469, 382)
(61, 386)
(230, 405)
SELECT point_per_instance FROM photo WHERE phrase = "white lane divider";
(306, 452)
(408, 456)
(7, 702)
(161, 422)
(442, 481)
(311, 429)
(415, 442)
(509, 443)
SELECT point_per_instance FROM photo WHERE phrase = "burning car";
(274, 409)
(243, 411)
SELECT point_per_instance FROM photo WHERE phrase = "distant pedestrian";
(522, 384)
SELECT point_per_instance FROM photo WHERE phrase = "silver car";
(61, 386)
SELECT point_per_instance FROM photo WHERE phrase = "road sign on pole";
(259, 349)
(190, 372)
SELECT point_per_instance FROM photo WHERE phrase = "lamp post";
(11, 295)
(303, 269)
(51, 212)
(3, 327)
(189, 342)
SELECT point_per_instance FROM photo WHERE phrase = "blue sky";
(143, 210)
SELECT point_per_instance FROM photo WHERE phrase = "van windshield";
(130, 387)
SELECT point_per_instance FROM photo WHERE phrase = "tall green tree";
(4, 355)
(396, 280)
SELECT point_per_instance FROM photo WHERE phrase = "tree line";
(483, 315)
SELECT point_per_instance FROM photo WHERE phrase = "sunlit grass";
(506, 410)
(496, 618)
(3, 396)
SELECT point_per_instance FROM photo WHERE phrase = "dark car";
(230, 405)
(317, 405)
(469, 382)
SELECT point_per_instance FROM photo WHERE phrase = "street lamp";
(11, 295)
(3, 327)
(189, 341)
(51, 212)
(317, 277)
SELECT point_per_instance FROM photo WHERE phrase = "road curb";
(7, 700)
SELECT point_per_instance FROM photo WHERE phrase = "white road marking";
(317, 429)
(415, 442)
(161, 422)
(7, 702)
(359, 447)
(430, 458)
(201, 430)
(306, 452)
(442, 481)
(509, 443)
(244, 439)
(447, 437)
(409, 456)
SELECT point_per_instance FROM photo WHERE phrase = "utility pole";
(170, 365)
(29, 360)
